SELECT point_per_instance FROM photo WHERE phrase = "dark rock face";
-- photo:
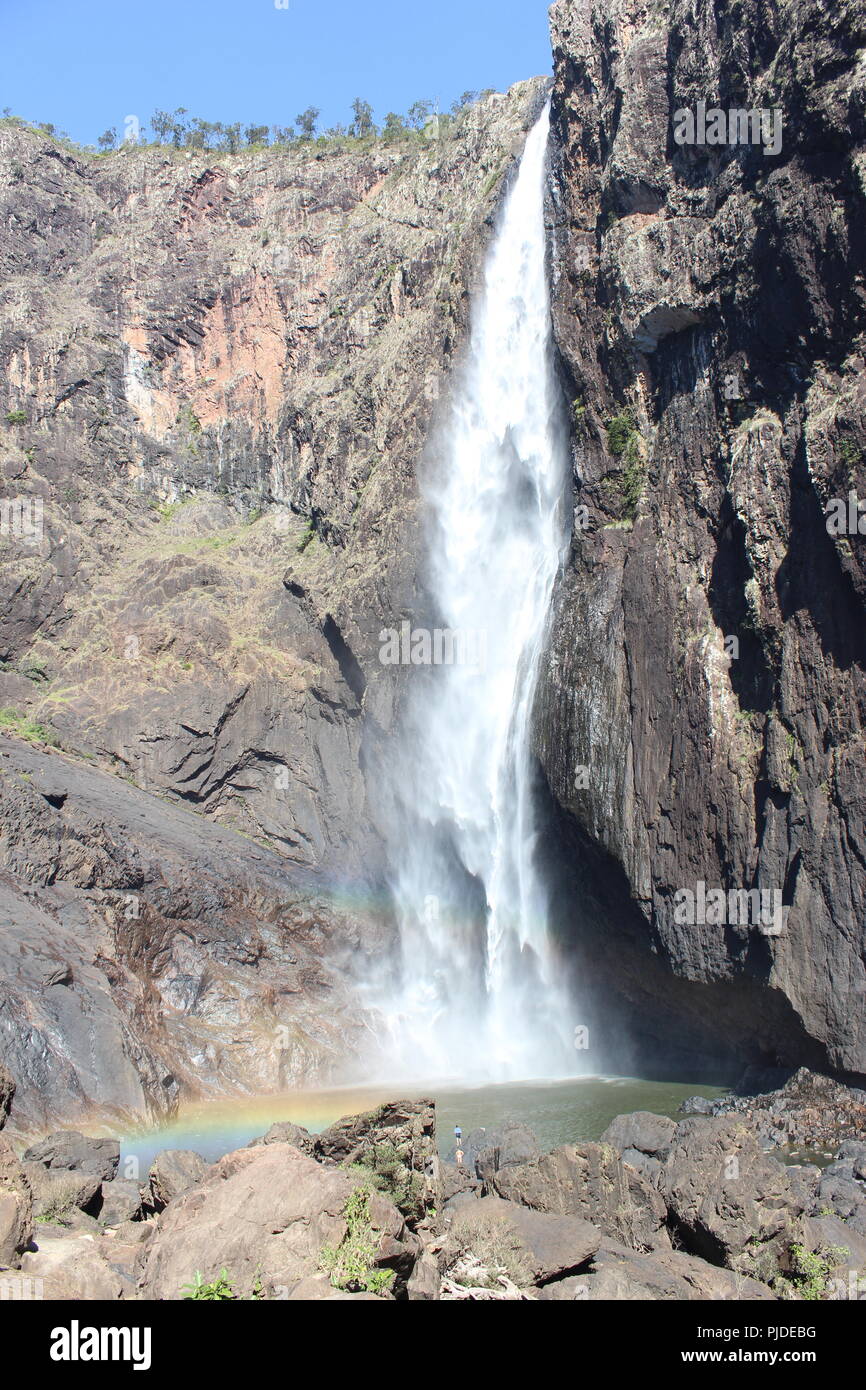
(706, 663)
(68, 1150)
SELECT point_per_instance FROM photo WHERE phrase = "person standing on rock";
(458, 1135)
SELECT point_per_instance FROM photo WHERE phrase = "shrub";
(218, 1291)
(389, 1172)
(350, 1264)
(16, 417)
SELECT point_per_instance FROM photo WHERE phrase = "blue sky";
(85, 65)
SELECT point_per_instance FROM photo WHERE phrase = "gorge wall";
(710, 316)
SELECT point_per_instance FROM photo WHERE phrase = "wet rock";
(173, 1172)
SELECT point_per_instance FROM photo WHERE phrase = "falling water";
(478, 994)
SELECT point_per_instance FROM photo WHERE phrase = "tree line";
(181, 131)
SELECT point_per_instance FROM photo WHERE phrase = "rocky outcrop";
(617, 1274)
(265, 1215)
(592, 1182)
(274, 1222)
(68, 1151)
(702, 710)
(808, 1112)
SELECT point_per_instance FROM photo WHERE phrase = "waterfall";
(478, 991)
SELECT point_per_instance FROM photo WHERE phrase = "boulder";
(592, 1182)
(837, 1194)
(544, 1246)
(73, 1151)
(265, 1213)
(16, 1205)
(728, 1202)
(643, 1131)
(58, 1191)
(425, 1282)
(285, 1132)
(173, 1172)
(622, 1275)
(121, 1201)
(844, 1251)
(853, 1154)
(72, 1268)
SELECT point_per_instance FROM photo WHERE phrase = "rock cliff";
(702, 718)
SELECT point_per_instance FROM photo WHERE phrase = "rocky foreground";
(695, 1210)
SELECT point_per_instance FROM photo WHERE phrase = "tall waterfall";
(478, 992)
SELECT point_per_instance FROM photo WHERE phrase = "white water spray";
(479, 993)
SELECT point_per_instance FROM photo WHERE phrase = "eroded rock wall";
(710, 314)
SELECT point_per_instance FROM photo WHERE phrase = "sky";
(85, 65)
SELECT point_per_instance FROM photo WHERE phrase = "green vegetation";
(351, 1265)
(624, 442)
(217, 1291)
(16, 417)
(12, 722)
(810, 1276)
(309, 532)
(388, 1172)
(180, 131)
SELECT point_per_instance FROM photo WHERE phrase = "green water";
(560, 1112)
